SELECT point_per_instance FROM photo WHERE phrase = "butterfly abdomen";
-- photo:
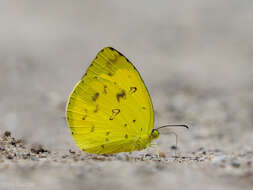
(142, 143)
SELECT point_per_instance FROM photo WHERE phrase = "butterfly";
(110, 109)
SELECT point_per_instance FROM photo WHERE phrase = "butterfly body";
(109, 109)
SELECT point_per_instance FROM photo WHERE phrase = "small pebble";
(10, 157)
(162, 155)
(173, 147)
(38, 149)
(13, 143)
(219, 159)
(65, 156)
(156, 159)
(101, 158)
(26, 156)
(33, 158)
(7, 133)
(236, 164)
(72, 151)
(121, 156)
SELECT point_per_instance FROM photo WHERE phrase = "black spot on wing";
(114, 113)
(132, 90)
(119, 53)
(83, 76)
(116, 51)
(95, 96)
(120, 95)
(84, 117)
(105, 89)
(96, 110)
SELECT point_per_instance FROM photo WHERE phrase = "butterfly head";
(154, 134)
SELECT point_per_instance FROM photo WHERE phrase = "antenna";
(186, 126)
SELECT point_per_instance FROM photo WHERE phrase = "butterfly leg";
(174, 147)
(157, 149)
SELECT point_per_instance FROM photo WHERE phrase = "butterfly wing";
(109, 109)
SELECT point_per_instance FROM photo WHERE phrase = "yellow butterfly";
(110, 110)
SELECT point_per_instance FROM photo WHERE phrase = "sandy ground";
(196, 59)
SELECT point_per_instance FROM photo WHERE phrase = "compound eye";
(155, 133)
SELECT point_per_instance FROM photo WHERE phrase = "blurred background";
(194, 56)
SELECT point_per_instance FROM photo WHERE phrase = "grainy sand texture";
(195, 58)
